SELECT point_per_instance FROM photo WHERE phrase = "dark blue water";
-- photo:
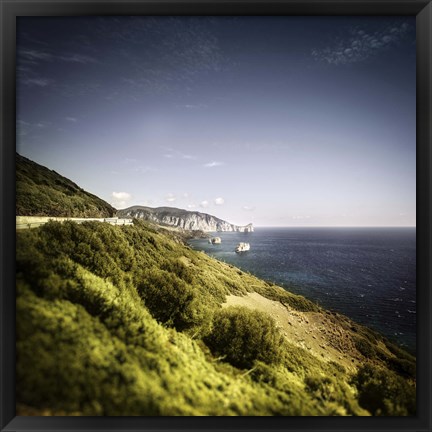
(368, 274)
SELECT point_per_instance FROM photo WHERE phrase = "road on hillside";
(27, 222)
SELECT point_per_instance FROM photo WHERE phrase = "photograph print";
(216, 216)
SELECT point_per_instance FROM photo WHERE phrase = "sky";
(275, 121)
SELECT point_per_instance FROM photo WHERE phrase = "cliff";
(188, 220)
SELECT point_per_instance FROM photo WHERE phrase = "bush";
(172, 301)
(403, 363)
(383, 393)
(321, 387)
(403, 367)
(179, 269)
(243, 336)
(364, 347)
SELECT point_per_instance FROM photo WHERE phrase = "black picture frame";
(10, 9)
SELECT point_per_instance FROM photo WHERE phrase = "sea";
(367, 274)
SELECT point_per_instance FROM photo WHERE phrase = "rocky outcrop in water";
(182, 219)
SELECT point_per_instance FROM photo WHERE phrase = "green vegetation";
(383, 392)
(244, 336)
(43, 192)
(297, 302)
(128, 321)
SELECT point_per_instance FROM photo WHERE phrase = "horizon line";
(334, 226)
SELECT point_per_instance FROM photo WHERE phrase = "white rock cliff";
(183, 219)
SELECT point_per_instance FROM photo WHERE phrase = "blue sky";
(278, 121)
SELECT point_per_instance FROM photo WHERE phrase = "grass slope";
(43, 192)
(128, 321)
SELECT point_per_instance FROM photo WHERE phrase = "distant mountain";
(43, 192)
(189, 220)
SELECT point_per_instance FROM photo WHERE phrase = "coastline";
(365, 274)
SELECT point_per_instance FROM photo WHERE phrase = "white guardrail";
(27, 222)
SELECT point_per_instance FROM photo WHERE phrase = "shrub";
(383, 393)
(321, 387)
(243, 336)
(339, 368)
(364, 347)
(402, 366)
(334, 393)
(172, 301)
(399, 352)
(179, 269)
(404, 363)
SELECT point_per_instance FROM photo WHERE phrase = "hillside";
(43, 192)
(184, 219)
(131, 321)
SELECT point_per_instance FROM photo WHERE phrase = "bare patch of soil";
(317, 332)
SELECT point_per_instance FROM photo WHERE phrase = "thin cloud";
(178, 155)
(38, 82)
(77, 58)
(120, 199)
(71, 119)
(78, 89)
(204, 204)
(24, 128)
(170, 198)
(190, 49)
(121, 195)
(194, 106)
(42, 125)
(213, 164)
(34, 56)
(248, 208)
(219, 201)
(360, 45)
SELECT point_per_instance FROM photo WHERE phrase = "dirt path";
(316, 332)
